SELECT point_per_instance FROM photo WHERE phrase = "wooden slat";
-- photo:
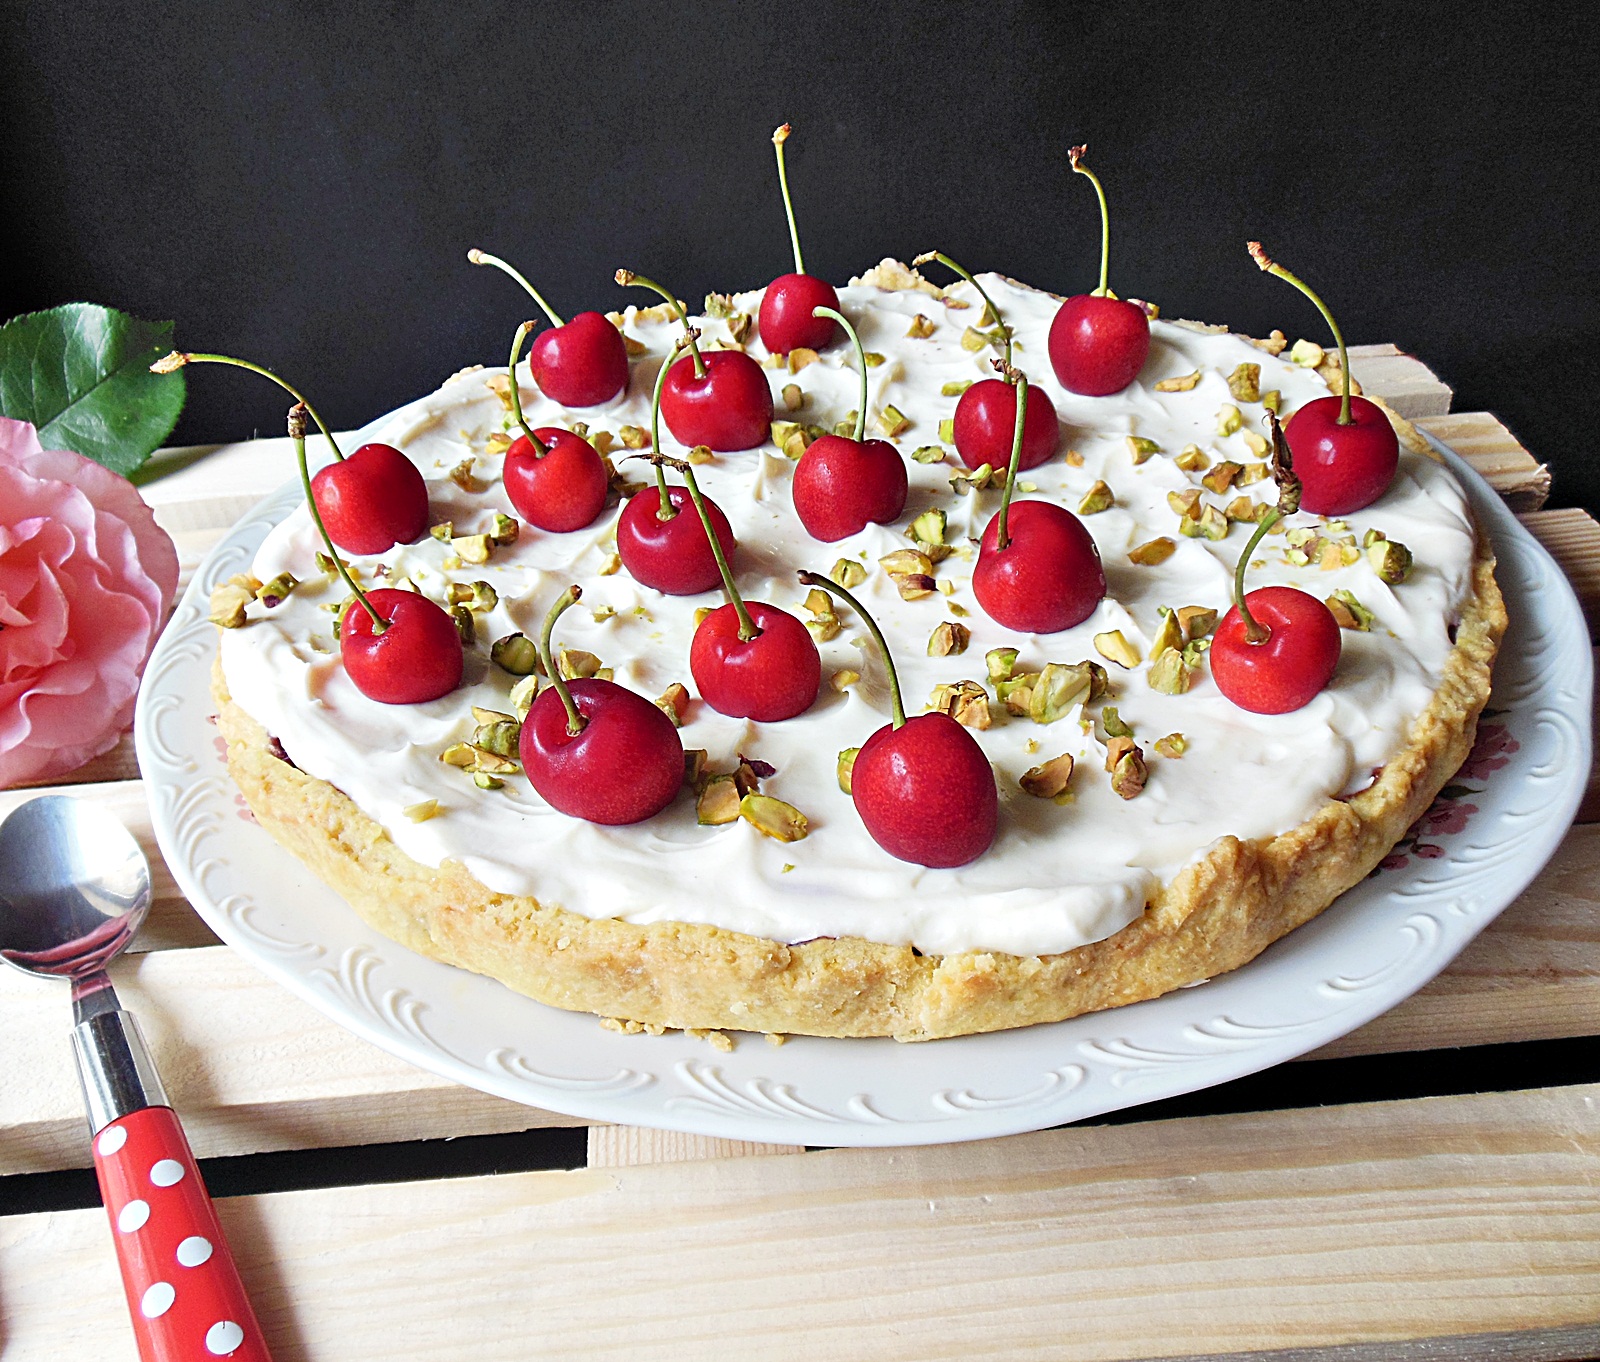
(1496, 454)
(627, 1146)
(1589, 811)
(1316, 1229)
(1573, 537)
(1402, 380)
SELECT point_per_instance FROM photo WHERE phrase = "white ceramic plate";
(1471, 856)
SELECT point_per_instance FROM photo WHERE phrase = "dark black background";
(298, 182)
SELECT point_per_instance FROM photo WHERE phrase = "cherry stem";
(478, 257)
(1254, 630)
(861, 364)
(665, 510)
(748, 628)
(778, 139)
(177, 359)
(576, 723)
(1002, 536)
(297, 433)
(988, 302)
(628, 279)
(1076, 157)
(1272, 267)
(896, 705)
(539, 448)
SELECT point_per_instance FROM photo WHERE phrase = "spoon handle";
(184, 1293)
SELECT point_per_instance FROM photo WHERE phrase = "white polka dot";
(223, 1337)
(193, 1251)
(112, 1140)
(133, 1216)
(165, 1172)
(157, 1300)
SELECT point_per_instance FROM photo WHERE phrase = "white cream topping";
(1058, 876)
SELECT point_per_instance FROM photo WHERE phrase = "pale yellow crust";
(1213, 917)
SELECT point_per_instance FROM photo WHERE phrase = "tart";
(1246, 825)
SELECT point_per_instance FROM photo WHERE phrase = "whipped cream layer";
(1058, 875)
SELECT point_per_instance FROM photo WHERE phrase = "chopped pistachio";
(1272, 400)
(604, 613)
(1273, 344)
(422, 812)
(1212, 524)
(496, 442)
(915, 586)
(1049, 779)
(843, 679)
(484, 781)
(1391, 560)
(947, 430)
(904, 561)
(274, 593)
(523, 693)
(1257, 443)
(782, 822)
(1018, 694)
(847, 572)
(694, 765)
(845, 767)
(1174, 745)
(921, 328)
(325, 564)
(515, 653)
(955, 387)
(1056, 690)
(1349, 612)
(1115, 648)
(1185, 504)
(576, 665)
(974, 340)
(964, 701)
(701, 454)
(1229, 419)
(1220, 478)
(873, 358)
(975, 479)
(1001, 662)
(928, 454)
(929, 528)
(466, 626)
(1196, 621)
(1074, 459)
(499, 736)
(1113, 723)
(1129, 774)
(476, 596)
(1178, 385)
(1098, 498)
(674, 703)
(1170, 673)
(460, 754)
(1168, 636)
(1153, 551)
(793, 397)
(949, 639)
(228, 602)
(1116, 748)
(825, 629)
(718, 802)
(892, 421)
(634, 437)
(1140, 449)
(1240, 508)
(846, 427)
(1245, 383)
(818, 602)
(444, 532)
(739, 327)
(801, 356)
(700, 613)
(482, 716)
(1307, 354)
(500, 386)
(783, 430)
(463, 478)
(719, 305)
(1193, 459)
(473, 548)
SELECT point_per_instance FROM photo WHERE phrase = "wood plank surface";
(1402, 380)
(625, 1146)
(1496, 454)
(1311, 1229)
(1573, 537)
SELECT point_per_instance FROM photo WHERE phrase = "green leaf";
(81, 374)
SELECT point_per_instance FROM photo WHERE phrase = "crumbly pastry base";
(1216, 915)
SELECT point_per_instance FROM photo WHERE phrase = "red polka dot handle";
(184, 1292)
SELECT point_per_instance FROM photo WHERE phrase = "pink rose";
(86, 580)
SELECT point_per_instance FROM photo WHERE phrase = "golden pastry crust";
(1216, 915)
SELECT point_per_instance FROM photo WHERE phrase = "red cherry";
(1048, 577)
(926, 792)
(580, 364)
(1098, 345)
(841, 486)
(1342, 468)
(562, 490)
(773, 676)
(673, 556)
(728, 408)
(786, 321)
(986, 418)
(625, 765)
(372, 500)
(1291, 666)
(417, 658)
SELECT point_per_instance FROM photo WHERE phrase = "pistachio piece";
(1181, 384)
(1056, 691)
(496, 442)
(975, 479)
(1193, 459)
(947, 430)
(847, 572)
(484, 781)
(1372, 537)
(1272, 400)
(964, 701)
(825, 629)
(873, 358)
(634, 437)
(473, 548)
(891, 421)
(228, 602)
(466, 626)
(523, 693)
(700, 613)
(1174, 745)
(1129, 774)
(974, 340)
(921, 328)
(955, 388)
(1018, 695)
(422, 812)
(674, 703)
(718, 802)
(915, 586)
(906, 561)
(1118, 746)
(1212, 524)
(1112, 646)
(482, 716)
(1168, 636)
(801, 356)
(444, 531)
(1253, 473)
(1074, 459)
(843, 679)
(1098, 498)
(694, 765)
(928, 528)
(1240, 508)
(719, 305)
(1307, 354)
(845, 767)
(499, 736)
(1196, 621)
(1350, 613)
(459, 754)
(1140, 449)
(1220, 478)
(779, 821)
(1245, 383)
(1185, 504)
(1273, 344)
(1170, 674)
(500, 386)
(739, 327)
(274, 593)
(476, 596)
(948, 639)
(1153, 551)
(928, 454)
(326, 566)
(1049, 779)
(1391, 561)
(1001, 662)
(1257, 443)
(1229, 419)
(515, 653)
(464, 478)
(783, 431)
(793, 397)
(575, 664)
(1113, 723)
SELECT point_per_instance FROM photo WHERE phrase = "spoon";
(74, 888)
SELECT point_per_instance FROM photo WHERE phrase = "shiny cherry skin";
(1098, 345)
(986, 423)
(1291, 667)
(841, 486)
(729, 409)
(926, 792)
(672, 556)
(372, 500)
(774, 676)
(580, 364)
(1341, 468)
(564, 489)
(626, 764)
(1049, 576)
(785, 322)
(417, 658)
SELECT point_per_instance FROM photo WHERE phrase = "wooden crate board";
(1403, 381)
(1495, 454)
(1573, 537)
(1313, 1229)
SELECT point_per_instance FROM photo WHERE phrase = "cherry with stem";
(788, 319)
(987, 410)
(1346, 460)
(923, 787)
(596, 750)
(1098, 343)
(554, 477)
(842, 485)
